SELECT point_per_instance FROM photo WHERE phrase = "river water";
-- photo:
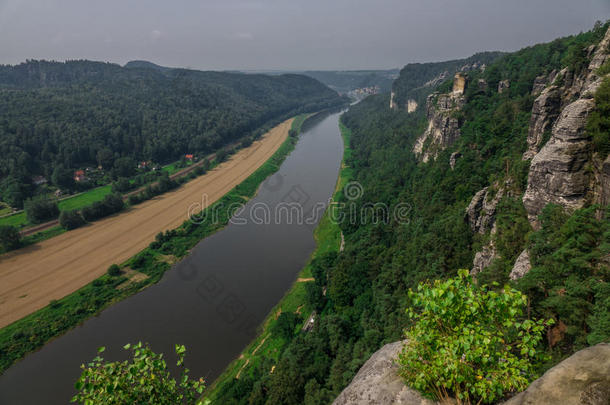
(213, 300)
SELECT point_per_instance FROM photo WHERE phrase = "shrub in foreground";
(40, 209)
(468, 341)
(144, 379)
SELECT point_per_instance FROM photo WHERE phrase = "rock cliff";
(443, 125)
(563, 171)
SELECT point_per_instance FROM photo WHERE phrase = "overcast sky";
(283, 34)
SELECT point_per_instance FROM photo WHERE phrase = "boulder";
(378, 382)
(581, 379)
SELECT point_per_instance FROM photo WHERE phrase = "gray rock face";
(503, 85)
(443, 128)
(602, 196)
(483, 259)
(453, 159)
(539, 84)
(378, 382)
(481, 211)
(522, 266)
(582, 379)
(558, 174)
(544, 112)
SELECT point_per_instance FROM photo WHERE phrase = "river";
(213, 300)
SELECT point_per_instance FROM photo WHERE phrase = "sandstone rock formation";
(481, 211)
(482, 85)
(453, 159)
(443, 127)
(544, 112)
(558, 173)
(561, 172)
(378, 382)
(459, 84)
(522, 266)
(393, 105)
(411, 105)
(484, 258)
(582, 379)
(503, 85)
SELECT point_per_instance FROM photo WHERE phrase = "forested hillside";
(568, 245)
(81, 113)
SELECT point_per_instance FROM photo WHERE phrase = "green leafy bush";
(71, 219)
(467, 341)
(40, 209)
(114, 270)
(143, 380)
(9, 238)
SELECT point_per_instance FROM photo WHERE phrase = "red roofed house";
(189, 156)
(79, 175)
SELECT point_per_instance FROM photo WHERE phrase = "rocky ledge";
(582, 379)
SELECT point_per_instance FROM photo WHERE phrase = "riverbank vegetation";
(36, 329)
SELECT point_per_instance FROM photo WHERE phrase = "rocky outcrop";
(544, 113)
(564, 171)
(443, 127)
(453, 159)
(482, 85)
(484, 258)
(602, 181)
(503, 85)
(378, 382)
(459, 84)
(393, 105)
(558, 173)
(481, 211)
(582, 379)
(481, 214)
(522, 266)
(411, 105)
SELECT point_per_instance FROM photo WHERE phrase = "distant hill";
(143, 64)
(77, 113)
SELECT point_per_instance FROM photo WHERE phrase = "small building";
(39, 180)
(79, 175)
(189, 156)
(143, 165)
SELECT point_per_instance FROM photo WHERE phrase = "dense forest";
(366, 285)
(87, 114)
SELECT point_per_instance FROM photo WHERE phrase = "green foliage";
(598, 123)
(40, 209)
(468, 341)
(114, 270)
(111, 204)
(285, 325)
(145, 379)
(569, 279)
(9, 238)
(71, 219)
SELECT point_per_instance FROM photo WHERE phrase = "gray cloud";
(283, 34)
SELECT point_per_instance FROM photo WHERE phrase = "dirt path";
(33, 276)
